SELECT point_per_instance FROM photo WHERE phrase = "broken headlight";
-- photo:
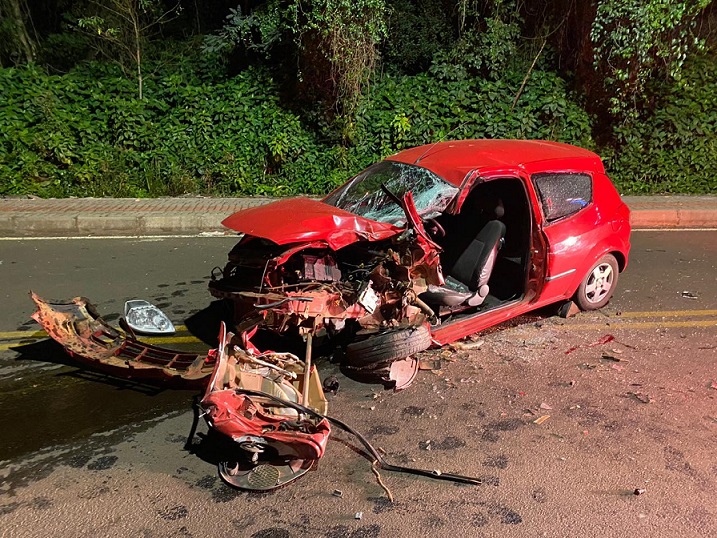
(146, 318)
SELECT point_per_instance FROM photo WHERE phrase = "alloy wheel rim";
(600, 283)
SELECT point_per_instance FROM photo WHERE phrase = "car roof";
(452, 160)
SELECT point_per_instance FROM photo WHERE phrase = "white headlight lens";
(144, 317)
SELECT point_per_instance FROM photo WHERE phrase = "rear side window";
(562, 195)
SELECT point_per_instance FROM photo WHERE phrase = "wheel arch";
(595, 254)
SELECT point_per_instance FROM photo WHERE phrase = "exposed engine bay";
(365, 286)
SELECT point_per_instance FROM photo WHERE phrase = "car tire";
(389, 346)
(599, 284)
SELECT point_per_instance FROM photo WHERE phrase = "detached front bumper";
(90, 340)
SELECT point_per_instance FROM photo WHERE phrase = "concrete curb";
(80, 217)
(673, 211)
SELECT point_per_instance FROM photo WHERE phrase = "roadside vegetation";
(281, 97)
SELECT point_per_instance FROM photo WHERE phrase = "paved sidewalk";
(21, 217)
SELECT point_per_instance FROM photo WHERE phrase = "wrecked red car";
(428, 246)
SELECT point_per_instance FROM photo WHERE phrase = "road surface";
(563, 420)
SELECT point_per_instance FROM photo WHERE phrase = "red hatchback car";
(428, 246)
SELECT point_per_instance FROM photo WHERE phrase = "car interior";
(485, 249)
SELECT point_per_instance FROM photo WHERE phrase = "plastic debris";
(331, 384)
(429, 365)
(568, 310)
(146, 318)
(604, 340)
(338, 493)
(689, 295)
(545, 406)
(358, 515)
(638, 491)
(641, 397)
(467, 345)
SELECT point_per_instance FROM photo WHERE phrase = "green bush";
(86, 134)
(413, 110)
(674, 148)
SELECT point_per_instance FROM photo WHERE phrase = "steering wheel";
(434, 228)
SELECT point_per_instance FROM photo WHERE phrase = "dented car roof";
(452, 160)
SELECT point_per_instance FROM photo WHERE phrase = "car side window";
(563, 194)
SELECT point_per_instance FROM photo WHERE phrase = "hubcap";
(599, 283)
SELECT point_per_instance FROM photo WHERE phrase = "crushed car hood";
(301, 219)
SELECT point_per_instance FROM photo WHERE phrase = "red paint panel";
(301, 219)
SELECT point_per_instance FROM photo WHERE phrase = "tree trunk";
(137, 51)
(22, 47)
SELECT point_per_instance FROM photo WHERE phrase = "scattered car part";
(331, 384)
(77, 326)
(146, 318)
(386, 357)
(248, 399)
(568, 309)
(375, 456)
(388, 346)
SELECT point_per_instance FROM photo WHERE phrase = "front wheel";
(389, 346)
(597, 287)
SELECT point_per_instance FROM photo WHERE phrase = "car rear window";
(562, 195)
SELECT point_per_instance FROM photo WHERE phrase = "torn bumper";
(77, 327)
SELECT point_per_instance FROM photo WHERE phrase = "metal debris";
(568, 310)
(604, 340)
(331, 384)
(466, 346)
(641, 397)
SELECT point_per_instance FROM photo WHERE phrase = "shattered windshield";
(363, 194)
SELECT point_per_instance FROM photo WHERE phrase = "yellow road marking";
(13, 335)
(10, 335)
(666, 314)
(614, 322)
(6, 347)
(639, 325)
(149, 340)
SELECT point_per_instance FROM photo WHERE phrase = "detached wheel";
(388, 346)
(598, 286)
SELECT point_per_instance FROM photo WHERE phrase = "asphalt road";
(630, 396)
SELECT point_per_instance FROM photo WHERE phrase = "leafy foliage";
(417, 31)
(487, 45)
(86, 134)
(347, 33)
(635, 39)
(293, 96)
(409, 111)
(674, 148)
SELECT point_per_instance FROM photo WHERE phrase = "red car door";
(570, 224)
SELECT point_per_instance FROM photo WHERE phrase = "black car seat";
(467, 280)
